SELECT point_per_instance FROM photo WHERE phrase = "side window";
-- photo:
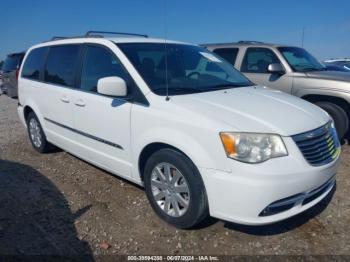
(99, 63)
(229, 54)
(61, 65)
(257, 60)
(34, 63)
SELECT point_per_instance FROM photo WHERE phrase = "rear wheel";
(175, 189)
(340, 117)
(36, 134)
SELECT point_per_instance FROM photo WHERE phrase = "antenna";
(302, 37)
(167, 98)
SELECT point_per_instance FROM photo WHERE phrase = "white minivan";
(182, 122)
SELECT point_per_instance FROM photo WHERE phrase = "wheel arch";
(204, 151)
(151, 148)
(26, 111)
(31, 107)
(328, 98)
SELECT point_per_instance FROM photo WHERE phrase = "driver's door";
(102, 122)
(255, 67)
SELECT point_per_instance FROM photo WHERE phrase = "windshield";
(190, 69)
(300, 60)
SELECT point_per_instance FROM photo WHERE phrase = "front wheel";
(175, 189)
(340, 117)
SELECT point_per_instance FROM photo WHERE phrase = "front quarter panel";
(304, 86)
(194, 135)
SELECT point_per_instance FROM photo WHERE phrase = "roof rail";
(58, 38)
(98, 33)
(232, 43)
(68, 37)
(249, 42)
(94, 34)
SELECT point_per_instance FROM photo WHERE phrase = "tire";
(36, 134)
(186, 174)
(340, 117)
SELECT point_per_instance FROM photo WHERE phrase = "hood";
(255, 109)
(330, 75)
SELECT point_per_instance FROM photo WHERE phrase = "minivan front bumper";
(258, 194)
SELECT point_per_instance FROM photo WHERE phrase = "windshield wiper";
(179, 89)
(228, 85)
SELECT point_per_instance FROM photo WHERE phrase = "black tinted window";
(34, 63)
(61, 64)
(257, 60)
(99, 63)
(230, 54)
(12, 62)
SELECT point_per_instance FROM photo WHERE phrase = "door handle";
(79, 102)
(64, 99)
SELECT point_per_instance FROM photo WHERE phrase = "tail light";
(17, 73)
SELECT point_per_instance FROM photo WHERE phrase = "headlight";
(252, 147)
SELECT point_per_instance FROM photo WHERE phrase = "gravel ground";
(57, 204)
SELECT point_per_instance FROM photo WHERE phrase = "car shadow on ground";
(285, 225)
(35, 218)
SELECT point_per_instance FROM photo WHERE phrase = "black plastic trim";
(94, 33)
(287, 203)
(85, 134)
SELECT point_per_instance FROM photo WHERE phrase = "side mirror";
(112, 86)
(276, 68)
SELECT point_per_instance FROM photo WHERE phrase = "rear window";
(229, 54)
(61, 65)
(12, 62)
(34, 63)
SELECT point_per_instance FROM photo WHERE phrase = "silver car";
(10, 74)
(292, 70)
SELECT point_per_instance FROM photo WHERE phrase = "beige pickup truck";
(292, 70)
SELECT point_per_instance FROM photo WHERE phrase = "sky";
(326, 23)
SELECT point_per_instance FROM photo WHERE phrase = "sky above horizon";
(327, 23)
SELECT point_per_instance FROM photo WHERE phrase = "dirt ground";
(57, 204)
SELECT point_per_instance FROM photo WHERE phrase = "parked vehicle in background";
(10, 71)
(1, 64)
(198, 135)
(292, 70)
(1, 82)
(335, 67)
(343, 63)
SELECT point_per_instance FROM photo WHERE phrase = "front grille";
(319, 146)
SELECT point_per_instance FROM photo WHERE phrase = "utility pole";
(302, 37)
